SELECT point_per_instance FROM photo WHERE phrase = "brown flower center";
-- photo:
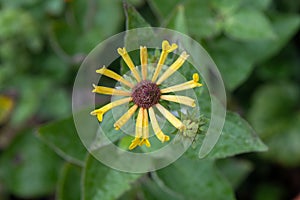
(146, 94)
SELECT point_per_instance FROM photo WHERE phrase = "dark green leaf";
(31, 90)
(248, 24)
(259, 4)
(102, 182)
(178, 20)
(107, 127)
(272, 107)
(226, 7)
(284, 146)
(153, 191)
(133, 40)
(284, 26)
(269, 191)
(274, 116)
(195, 179)
(237, 137)
(236, 60)
(29, 168)
(88, 27)
(68, 187)
(133, 18)
(235, 65)
(234, 170)
(62, 137)
(163, 8)
(202, 21)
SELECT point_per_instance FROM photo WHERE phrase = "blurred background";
(255, 44)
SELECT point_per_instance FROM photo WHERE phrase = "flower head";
(147, 94)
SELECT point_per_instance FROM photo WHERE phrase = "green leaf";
(282, 67)
(133, 40)
(269, 191)
(133, 18)
(62, 137)
(69, 183)
(259, 4)
(102, 182)
(28, 168)
(30, 89)
(88, 27)
(202, 21)
(272, 107)
(236, 65)
(285, 26)
(234, 170)
(273, 115)
(62, 35)
(56, 105)
(226, 7)
(284, 145)
(96, 27)
(153, 191)
(163, 8)
(237, 137)
(178, 20)
(248, 24)
(108, 133)
(195, 179)
(54, 7)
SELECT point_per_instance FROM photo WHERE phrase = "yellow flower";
(146, 94)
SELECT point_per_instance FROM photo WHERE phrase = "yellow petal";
(99, 112)
(144, 59)
(184, 86)
(179, 99)
(170, 117)
(134, 143)
(125, 117)
(129, 63)
(173, 68)
(166, 49)
(145, 124)
(139, 124)
(113, 75)
(145, 141)
(158, 132)
(109, 91)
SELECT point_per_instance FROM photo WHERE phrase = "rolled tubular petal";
(144, 59)
(179, 99)
(184, 86)
(134, 143)
(114, 75)
(125, 117)
(99, 112)
(145, 141)
(158, 132)
(145, 124)
(109, 91)
(128, 61)
(145, 129)
(139, 124)
(166, 49)
(170, 117)
(173, 68)
(138, 130)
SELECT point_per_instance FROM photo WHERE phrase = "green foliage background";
(255, 44)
